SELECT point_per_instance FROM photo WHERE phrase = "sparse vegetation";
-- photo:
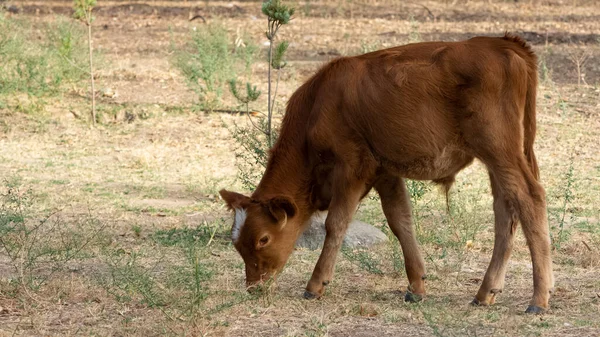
(119, 230)
(256, 139)
(277, 15)
(31, 71)
(38, 247)
(212, 61)
(83, 12)
(414, 36)
(366, 46)
(579, 56)
(545, 73)
(363, 259)
(560, 232)
(250, 96)
(252, 153)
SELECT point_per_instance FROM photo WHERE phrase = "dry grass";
(161, 262)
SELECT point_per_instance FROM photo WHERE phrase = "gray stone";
(359, 234)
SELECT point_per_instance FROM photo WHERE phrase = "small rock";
(359, 234)
(110, 93)
(74, 268)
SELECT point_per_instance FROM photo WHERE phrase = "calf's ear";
(234, 200)
(282, 208)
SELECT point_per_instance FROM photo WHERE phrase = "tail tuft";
(518, 40)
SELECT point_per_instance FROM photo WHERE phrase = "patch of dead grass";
(162, 172)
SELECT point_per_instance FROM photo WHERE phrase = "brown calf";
(421, 111)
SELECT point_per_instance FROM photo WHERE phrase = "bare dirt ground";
(139, 180)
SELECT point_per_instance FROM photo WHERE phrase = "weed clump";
(38, 248)
(38, 69)
(211, 60)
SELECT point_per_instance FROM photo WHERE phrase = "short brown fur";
(421, 111)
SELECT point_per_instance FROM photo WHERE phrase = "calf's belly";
(429, 167)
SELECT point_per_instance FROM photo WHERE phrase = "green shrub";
(364, 260)
(127, 280)
(38, 248)
(38, 69)
(559, 231)
(211, 60)
(182, 236)
(252, 152)
(175, 289)
(256, 139)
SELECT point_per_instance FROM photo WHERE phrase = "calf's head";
(263, 232)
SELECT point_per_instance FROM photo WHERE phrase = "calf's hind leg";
(520, 190)
(505, 225)
(396, 207)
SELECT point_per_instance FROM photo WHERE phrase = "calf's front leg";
(345, 198)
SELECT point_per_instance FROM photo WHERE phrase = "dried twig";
(197, 16)
(75, 114)
(579, 57)
(87, 72)
(256, 126)
(231, 111)
(586, 245)
(433, 17)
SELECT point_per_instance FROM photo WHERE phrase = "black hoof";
(475, 302)
(534, 309)
(412, 298)
(309, 296)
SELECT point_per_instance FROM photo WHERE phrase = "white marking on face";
(240, 218)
